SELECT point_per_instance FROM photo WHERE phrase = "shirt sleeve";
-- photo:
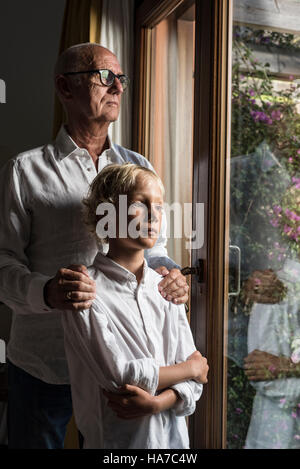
(88, 335)
(189, 391)
(18, 285)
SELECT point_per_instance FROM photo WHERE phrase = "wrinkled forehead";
(106, 60)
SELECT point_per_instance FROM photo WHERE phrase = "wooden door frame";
(211, 151)
(210, 186)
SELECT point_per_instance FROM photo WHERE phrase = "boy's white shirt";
(127, 334)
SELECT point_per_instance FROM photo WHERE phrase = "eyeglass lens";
(108, 78)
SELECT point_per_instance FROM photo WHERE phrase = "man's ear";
(62, 85)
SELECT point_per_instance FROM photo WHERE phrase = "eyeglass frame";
(99, 72)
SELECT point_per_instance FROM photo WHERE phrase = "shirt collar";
(117, 272)
(65, 145)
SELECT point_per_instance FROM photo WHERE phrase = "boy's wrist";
(157, 404)
(190, 369)
(165, 400)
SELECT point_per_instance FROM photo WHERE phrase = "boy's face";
(145, 213)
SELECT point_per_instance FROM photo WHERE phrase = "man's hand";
(174, 286)
(199, 367)
(70, 289)
(263, 366)
(131, 402)
(264, 287)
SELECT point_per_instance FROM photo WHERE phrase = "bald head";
(79, 57)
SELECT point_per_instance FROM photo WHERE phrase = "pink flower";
(294, 415)
(290, 160)
(277, 209)
(291, 215)
(296, 181)
(238, 410)
(276, 115)
(287, 229)
(274, 222)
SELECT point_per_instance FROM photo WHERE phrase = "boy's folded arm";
(189, 391)
(174, 374)
(87, 333)
(89, 336)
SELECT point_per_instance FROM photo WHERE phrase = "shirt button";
(89, 169)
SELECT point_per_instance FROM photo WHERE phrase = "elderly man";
(42, 233)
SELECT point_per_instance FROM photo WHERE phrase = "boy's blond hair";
(112, 181)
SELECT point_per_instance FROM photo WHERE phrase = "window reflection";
(263, 387)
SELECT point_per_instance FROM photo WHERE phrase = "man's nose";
(117, 87)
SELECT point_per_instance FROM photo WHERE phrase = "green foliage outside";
(265, 194)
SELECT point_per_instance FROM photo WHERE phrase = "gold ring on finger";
(69, 295)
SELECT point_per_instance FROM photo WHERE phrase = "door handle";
(237, 271)
(198, 270)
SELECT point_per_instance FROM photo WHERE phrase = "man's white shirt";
(41, 230)
(126, 335)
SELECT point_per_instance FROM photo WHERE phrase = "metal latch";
(198, 270)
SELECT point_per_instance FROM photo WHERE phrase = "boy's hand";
(70, 289)
(199, 367)
(174, 286)
(131, 402)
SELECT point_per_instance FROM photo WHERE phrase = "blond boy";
(131, 335)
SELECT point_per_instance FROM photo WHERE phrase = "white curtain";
(117, 34)
(171, 134)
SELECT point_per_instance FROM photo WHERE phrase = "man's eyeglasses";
(107, 77)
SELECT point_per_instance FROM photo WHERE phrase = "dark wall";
(29, 40)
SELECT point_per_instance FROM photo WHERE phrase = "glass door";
(262, 327)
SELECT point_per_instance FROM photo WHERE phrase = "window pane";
(263, 330)
(171, 122)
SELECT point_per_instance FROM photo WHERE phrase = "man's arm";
(18, 285)
(35, 292)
